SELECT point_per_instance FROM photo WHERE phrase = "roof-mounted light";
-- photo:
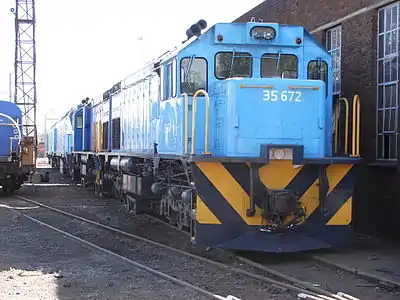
(266, 33)
(195, 29)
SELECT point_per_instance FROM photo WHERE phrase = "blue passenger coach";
(230, 136)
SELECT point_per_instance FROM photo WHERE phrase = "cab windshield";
(233, 64)
(240, 64)
(279, 65)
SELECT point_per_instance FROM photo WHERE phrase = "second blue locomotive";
(16, 150)
(228, 135)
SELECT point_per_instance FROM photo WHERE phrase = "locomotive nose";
(278, 111)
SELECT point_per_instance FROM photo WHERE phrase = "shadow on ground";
(39, 263)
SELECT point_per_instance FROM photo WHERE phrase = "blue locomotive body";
(9, 134)
(13, 171)
(229, 135)
(254, 105)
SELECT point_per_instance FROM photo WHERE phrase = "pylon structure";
(25, 65)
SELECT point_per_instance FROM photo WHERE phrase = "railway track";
(372, 278)
(385, 285)
(167, 262)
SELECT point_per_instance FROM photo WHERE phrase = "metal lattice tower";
(25, 65)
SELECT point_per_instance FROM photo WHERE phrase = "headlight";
(281, 154)
(263, 33)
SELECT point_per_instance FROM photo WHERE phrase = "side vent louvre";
(116, 133)
(105, 136)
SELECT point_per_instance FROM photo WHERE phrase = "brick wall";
(311, 14)
(359, 73)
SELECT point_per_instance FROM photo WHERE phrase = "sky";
(85, 46)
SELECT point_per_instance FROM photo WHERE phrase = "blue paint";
(8, 132)
(148, 107)
(78, 128)
(87, 118)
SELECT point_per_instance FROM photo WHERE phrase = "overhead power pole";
(25, 65)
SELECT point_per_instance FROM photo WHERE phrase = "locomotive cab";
(268, 85)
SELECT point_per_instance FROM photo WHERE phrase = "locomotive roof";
(148, 67)
(9, 108)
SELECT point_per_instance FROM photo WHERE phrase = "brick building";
(363, 37)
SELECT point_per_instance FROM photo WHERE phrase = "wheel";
(97, 190)
(179, 222)
(172, 218)
(8, 190)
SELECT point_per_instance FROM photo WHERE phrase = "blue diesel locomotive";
(229, 136)
(16, 151)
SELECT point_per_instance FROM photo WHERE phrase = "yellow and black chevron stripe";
(224, 194)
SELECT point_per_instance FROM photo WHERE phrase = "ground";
(31, 255)
(37, 263)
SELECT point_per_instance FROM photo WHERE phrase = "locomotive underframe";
(166, 187)
(11, 176)
(174, 188)
(154, 186)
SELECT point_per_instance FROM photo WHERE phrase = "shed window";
(333, 45)
(387, 115)
(233, 64)
(279, 65)
(193, 74)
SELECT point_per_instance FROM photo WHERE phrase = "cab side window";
(193, 74)
(168, 80)
(79, 121)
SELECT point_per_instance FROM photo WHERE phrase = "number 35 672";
(284, 96)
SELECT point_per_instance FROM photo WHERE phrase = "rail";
(355, 120)
(194, 115)
(281, 281)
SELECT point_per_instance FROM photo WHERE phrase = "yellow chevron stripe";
(335, 174)
(203, 214)
(310, 198)
(230, 189)
(343, 215)
(277, 174)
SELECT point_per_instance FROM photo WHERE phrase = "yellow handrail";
(314, 88)
(186, 142)
(207, 108)
(337, 116)
(356, 127)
